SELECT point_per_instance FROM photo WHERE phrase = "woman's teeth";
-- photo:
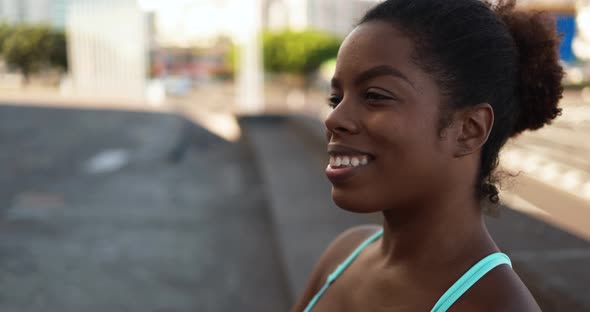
(348, 161)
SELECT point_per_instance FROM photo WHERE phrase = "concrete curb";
(304, 217)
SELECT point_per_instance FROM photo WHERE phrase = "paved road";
(555, 166)
(103, 211)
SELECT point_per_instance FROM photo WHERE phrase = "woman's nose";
(342, 120)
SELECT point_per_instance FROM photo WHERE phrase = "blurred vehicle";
(177, 85)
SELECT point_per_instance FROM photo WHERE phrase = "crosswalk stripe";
(542, 168)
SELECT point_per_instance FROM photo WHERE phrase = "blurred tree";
(5, 31)
(298, 52)
(57, 50)
(231, 58)
(31, 48)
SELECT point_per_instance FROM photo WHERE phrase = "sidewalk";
(50, 97)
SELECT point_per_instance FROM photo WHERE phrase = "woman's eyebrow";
(382, 70)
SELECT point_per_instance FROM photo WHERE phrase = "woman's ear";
(476, 123)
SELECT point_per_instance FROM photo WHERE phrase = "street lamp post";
(249, 77)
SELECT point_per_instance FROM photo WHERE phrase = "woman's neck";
(435, 236)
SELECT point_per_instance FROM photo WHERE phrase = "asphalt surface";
(126, 211)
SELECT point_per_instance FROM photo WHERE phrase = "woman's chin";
(352, 201)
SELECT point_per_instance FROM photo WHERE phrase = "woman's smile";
(345, 166)
(346, 162)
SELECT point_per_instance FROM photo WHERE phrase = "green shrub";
(31, 48)
(297, 52)
(57, 50)
(5, 31)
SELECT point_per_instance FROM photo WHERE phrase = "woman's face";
(384, 142)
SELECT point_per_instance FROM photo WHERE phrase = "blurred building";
(52, 12)
(200, 22)
(108, 48)
(334, 16)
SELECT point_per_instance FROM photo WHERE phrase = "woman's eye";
(377, 96)
(333, 101)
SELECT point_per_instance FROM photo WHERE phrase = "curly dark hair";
(480, 52)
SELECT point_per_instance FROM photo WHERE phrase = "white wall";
(108, 50)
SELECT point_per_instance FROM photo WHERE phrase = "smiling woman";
(424, 95)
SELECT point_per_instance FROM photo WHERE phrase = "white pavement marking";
(543, 168)
(571, 180)
(107, 161)
(520, 204)
(575, 115)
(549, 172)
(531, 163)
(224, 125)
(586, 190)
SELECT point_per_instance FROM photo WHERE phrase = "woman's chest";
(361, 291)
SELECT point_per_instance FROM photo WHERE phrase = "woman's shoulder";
(337, 251)
(342, 246)
(346, 242)
(499, 290)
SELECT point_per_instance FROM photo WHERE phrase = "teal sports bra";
(448, 298)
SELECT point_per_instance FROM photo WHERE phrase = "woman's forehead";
(374, 44)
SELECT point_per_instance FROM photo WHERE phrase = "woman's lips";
(342, 167)
(345, 162)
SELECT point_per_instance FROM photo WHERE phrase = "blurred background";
(169, 156)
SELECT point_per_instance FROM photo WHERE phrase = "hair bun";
(539, 86)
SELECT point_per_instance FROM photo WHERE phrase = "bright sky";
(187, 22)
(154, 5)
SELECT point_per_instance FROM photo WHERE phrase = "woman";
(425, 94)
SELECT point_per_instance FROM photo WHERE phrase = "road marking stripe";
(539, 167)
(520, 204)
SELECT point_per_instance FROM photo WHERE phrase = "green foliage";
(231, 58)
(58, 50)
(5, 31)
(31, 48)
(298, 52)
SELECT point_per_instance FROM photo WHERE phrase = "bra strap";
(338, 271)
(469, 279)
